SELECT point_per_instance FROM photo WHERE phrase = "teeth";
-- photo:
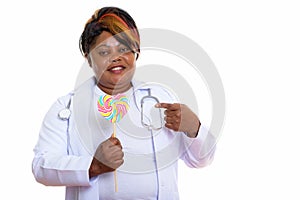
(116, 68)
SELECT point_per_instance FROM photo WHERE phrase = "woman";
(78, 151)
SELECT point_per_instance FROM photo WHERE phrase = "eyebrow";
(106, 45)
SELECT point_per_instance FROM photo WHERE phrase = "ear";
(89, 60)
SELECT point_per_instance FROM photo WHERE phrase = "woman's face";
(113, 64)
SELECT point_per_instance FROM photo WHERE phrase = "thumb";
(115, 140)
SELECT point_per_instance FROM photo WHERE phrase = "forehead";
(106, 39)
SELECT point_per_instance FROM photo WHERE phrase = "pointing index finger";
(169, 106)
(162, 105)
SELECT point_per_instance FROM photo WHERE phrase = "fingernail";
(157, 105)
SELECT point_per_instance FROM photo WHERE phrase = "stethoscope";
(65, 114)
(150, 127)
(144, 117)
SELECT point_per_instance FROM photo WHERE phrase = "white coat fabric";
(65, 149)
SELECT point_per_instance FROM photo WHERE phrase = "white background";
(255, 46)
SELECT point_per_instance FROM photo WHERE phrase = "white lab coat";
(64, 152)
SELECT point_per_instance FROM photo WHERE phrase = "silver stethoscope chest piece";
(64, 114)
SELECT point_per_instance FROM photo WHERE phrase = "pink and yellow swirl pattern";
(113, 108)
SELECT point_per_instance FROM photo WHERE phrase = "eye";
(124, 49)
(103, 52)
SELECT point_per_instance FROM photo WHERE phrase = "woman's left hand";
(180, 117)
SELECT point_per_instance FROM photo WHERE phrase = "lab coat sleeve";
(195, 152)
(52, 165)
(199, 151)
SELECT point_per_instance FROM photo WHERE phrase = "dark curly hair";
(115, 21)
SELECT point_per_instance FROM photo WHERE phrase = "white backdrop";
(255, 46)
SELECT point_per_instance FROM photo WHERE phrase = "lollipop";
(113, 108)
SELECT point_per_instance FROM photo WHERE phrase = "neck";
(114, 90)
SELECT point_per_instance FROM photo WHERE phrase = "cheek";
(98, 66)
(131, 60)
(98, 70)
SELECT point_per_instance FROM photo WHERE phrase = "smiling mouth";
(116, 69)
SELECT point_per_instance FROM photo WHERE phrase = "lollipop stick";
(115, 172)
(114, 133)
(116, 181)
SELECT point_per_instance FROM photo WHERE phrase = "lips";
(116, 69)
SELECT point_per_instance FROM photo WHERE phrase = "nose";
(115, 57)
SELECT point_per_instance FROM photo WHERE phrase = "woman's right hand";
(108, 157)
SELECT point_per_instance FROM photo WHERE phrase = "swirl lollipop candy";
(113, 108)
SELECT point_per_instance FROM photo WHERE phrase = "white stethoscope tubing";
(150, 128)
